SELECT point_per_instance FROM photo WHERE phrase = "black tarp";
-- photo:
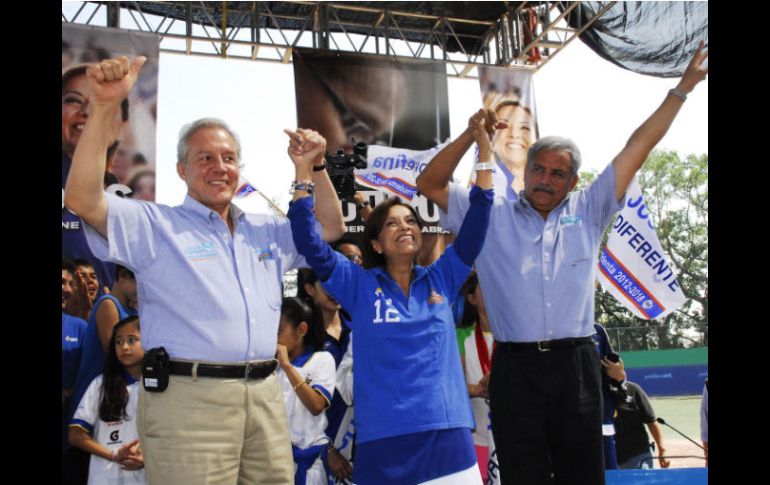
(654, 38)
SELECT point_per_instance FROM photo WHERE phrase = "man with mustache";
(536, 271)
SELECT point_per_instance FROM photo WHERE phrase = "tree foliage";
(676, 194)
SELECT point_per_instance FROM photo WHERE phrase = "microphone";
(662, 421)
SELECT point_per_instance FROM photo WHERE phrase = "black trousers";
(546, 414)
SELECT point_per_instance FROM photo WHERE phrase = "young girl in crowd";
(104, 423)
(107, 311)
(307, 375)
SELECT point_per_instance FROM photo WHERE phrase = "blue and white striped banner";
(394, 185)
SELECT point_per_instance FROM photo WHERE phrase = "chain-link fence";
(625, 339)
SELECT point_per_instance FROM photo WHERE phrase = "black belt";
(250, 370)
(545, 345)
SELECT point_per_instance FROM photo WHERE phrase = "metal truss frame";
(527, 35)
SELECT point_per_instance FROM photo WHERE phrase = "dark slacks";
(546, 413)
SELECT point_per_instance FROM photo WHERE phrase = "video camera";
(340, 167)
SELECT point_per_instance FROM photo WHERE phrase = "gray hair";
(558, 143)
(190, 129)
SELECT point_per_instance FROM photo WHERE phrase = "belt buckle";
(540, 347)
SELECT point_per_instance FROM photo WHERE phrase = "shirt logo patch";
(70, 339)
(205, 250)
(264, 254)
(571, 220)
(435, 298)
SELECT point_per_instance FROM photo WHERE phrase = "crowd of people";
(188, 365)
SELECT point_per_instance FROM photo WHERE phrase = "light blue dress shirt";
(538, 275)
(204, 293)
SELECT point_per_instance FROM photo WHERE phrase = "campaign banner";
(427, 210)
(358, 98)
(510, 93)
(383, 103)
(633, 267)
(395, 169)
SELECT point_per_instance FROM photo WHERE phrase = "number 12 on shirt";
(391, 314)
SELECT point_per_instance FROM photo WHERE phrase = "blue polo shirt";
(538, 275)
(204, 293)
(408, 373)
(72, 331)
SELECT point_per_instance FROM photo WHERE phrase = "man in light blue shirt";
(536, 271)
(209, 291)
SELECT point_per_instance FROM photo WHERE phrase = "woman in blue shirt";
(413, 417)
